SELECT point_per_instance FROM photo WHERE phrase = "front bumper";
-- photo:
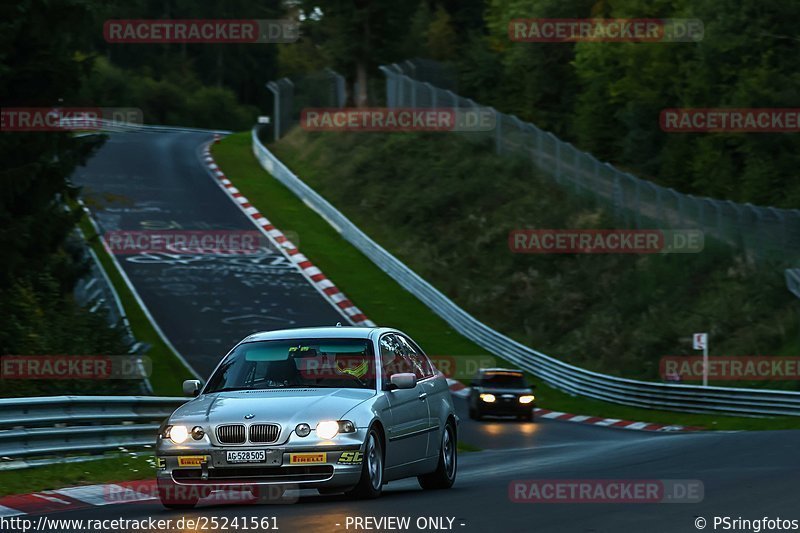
(318, 464)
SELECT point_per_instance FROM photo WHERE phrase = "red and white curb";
(314, 274)
(462, 391)
(74, 498)
(611, 422)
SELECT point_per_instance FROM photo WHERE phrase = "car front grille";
(264, 433)
(231, 434)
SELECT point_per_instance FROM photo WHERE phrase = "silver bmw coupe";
(338, 409)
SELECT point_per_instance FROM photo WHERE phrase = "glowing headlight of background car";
(528, 398)
(488, 398)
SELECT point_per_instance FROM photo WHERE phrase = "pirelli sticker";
(351, 458)
(308, 458)
(192, 460)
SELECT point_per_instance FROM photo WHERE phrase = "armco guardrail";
(91, 125)
(563, 376)
(59, 425)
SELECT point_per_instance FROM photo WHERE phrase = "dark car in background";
(501, 392)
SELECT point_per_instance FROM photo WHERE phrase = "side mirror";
(405, 380)
(191, 387)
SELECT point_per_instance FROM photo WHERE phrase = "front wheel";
(370, 484)
(445, 474)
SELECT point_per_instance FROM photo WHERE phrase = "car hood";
(287, 407)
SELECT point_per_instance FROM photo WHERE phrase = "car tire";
(370, 485)
(474, 414)
(174, 496)
(447, 467)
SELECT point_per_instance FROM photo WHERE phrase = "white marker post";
(700, 342)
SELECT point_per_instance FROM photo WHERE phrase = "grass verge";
(385, 302)
(57, 476)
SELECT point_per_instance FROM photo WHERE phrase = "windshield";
(328, 363)
(504, 380)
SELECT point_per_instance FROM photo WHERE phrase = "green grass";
(168, 370)
(386, 303)
(71, 474)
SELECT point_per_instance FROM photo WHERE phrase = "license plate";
(247, 456)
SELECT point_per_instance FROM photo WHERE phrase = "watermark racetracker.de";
(639, 30)
(231, 492)
(218, 242)
(93, 367)
(730, 368)
(606, 491)
(148, 31)
(605, 241)
(730, 120)
(30, 119)
(377, 119)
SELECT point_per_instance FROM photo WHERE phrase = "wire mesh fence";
(759, 232)
(324, 88)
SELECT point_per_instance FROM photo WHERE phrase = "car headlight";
(327, 429)
(302, 430)
(198, 433)
(488, 398)
(528, 398)
(346, 426)
(177, 434)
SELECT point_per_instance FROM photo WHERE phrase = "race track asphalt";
(157, 181)
(204, 303)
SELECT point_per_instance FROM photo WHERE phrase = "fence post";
(433, 94)
(539, 147)
(276, 108)
(453, 97)
(638, 202)
(338, 87)
(558, 160)
(391, 86)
